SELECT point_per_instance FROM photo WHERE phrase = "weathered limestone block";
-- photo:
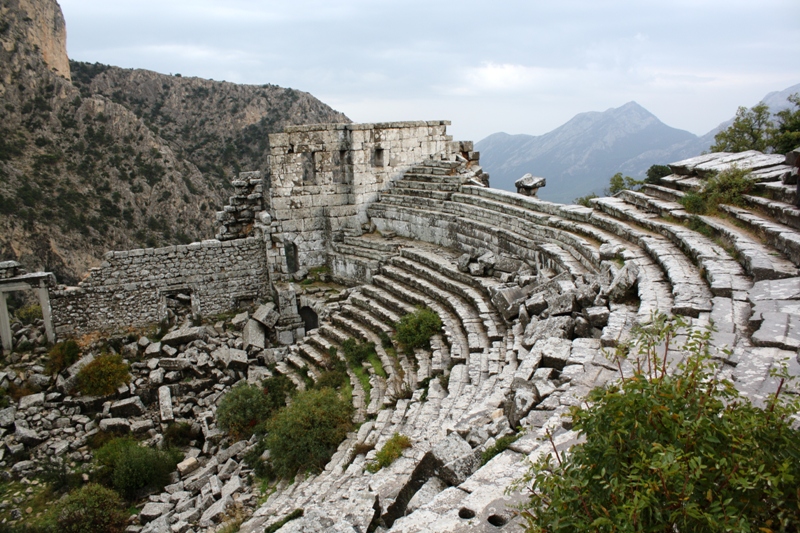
(27, 436)
(254, 335)
(623, 283)
(775, 289)
(153, 510)
(128, 407)
(508, 299)
(171, 364)
(455, 459)
(31, 400)
(187, 466)
(165, 404)
(118, 425)
(779, 330)
(7, 416)
(267, 315)
(184, 336)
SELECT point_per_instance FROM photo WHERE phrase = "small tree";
(786, 137)
(750, 130)
(129, 467)
(656, 172)
(92, 509)
(304, 435)
(415, 330)
(242, 409)
(666, 452)
(618, 183)
(103, 375)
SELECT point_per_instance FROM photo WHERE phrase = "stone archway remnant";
(14, 278)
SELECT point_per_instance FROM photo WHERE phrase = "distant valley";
(579, 157)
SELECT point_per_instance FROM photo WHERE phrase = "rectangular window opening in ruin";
(309, 168)
(342, 171)
(377, 158)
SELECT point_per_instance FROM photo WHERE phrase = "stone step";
(779, 211)
(457, 232)
(691, 295)
(492, 323)
(359, 251)
(333, 334)
(461, 343)
(373, 243)
(417, 193)
(284, 368)
(781, 237)
(760, 261)
(408, 183)
(470, 321)
(363, 316)
(299, 362)
(723, 273)
(778, 191)
(369, 305)
(313, 352)
(535, 226)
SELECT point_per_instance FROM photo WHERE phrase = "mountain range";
(580, 156)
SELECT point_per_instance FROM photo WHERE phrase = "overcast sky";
(513, 66)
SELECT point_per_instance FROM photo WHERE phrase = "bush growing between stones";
(499, 447)
(91, 509)
(242, 409)
(389, 452)
(29, 313)
(102, 376)
(304, 435)
(129, 467)
(726, 187)
(415, 330)
(62, 355)
(678, 451)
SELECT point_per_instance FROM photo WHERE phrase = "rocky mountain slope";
(579, 157)
(94, 158)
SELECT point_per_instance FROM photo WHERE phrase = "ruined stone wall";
(322, 178)
(131, 287)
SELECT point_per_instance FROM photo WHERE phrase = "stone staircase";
(529, 293)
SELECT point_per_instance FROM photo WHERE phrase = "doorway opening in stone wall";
(177, 306)
(310, 318)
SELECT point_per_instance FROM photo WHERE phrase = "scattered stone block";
(117, 425)
(7, 416)
(187, 466)
(27, 436)
(165, 404)
(267, 315)
(254, 335)
(153, 510)
(184, 336)
(128, 407)
(31, 400)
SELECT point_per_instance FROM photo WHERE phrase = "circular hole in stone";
(497, 520)
(466, 514)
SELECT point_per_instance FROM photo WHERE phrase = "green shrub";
(91, 509)
(415, 330)
(356, 352)
(726, 187)
(102, 376)
(585, 201)
(304, 435)
(391, 450)
(62, 355)
(664, 452)
(129, 468)
(29, 313)
(243, 408)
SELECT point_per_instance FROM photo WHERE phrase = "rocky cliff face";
(47, 30)
(121, 158)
